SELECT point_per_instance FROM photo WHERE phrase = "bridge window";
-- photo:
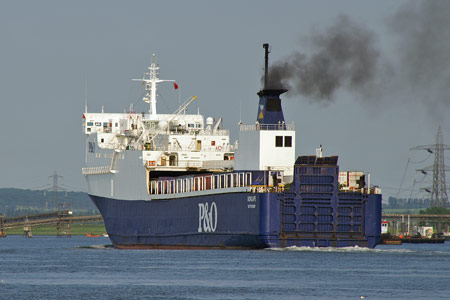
(278, 141)
(288, 141)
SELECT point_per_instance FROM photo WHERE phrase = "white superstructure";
(178, 140)
(267, 147)
(165, 142)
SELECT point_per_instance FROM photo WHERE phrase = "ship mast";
(151, 86)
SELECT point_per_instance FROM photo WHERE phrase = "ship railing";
(205, 131)
(190, 164)
(96, 170)
(200, 183)
(198, 164)
(256, 127)
(208, 164)
(177, 147)
(221, 132)
(190, 132)
(218, 164)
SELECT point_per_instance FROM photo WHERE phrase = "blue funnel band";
(270, 110)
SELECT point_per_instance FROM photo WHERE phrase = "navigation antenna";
(151, 86)
(439, 197)
(85, 97)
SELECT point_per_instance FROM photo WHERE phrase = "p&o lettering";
(207, 217)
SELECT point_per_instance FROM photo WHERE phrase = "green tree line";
(16, 202)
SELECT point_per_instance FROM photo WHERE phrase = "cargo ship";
(174, 181)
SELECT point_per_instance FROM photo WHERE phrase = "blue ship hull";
(313, 212)
(184, 222)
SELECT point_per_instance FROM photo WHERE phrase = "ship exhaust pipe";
(270, 111)
(266, 65)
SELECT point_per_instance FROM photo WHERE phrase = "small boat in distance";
(92, 235)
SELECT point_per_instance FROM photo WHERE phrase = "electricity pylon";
(55, 189)
(438, 190)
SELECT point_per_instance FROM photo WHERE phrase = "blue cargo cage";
(314, 212)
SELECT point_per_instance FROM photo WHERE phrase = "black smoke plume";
(422, 32)
(343, 56)
(346, 56)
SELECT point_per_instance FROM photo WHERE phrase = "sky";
(56, 54)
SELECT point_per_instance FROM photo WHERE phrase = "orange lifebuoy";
(219, 148)
(151, 163)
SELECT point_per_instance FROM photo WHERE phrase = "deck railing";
(200, 183)
(255, 127)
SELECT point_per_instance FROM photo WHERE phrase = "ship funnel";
(269, 109)
(266, 64)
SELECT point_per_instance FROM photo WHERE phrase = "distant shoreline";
(76, 230)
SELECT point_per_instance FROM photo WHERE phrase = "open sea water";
(87, 268)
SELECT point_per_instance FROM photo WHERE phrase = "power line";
(439, 197)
